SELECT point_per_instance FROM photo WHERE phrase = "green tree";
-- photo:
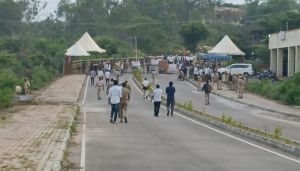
(192, 34)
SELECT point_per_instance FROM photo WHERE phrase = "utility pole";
(135, 47)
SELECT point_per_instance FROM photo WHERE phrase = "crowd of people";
(107, 73)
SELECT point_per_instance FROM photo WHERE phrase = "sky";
(52, 6)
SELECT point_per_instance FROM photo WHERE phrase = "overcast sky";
(52, 5)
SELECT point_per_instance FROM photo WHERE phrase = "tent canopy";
(226, 46)
(89, 45)
(215, 57)
(76, 50)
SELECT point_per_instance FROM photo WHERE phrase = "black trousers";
(156, 107)
(92, 81)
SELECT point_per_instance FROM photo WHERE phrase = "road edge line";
(82, 158)
(228, 135)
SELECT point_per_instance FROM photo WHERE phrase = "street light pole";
(135, 47)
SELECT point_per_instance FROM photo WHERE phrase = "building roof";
(226, 46)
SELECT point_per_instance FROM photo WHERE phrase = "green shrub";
(8, 79)
(287, 91)
(41, 76)
(6, 97)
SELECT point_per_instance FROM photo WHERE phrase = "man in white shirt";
(145, 85)
(107, 76)
(156, 96)
(101, 74)
(114, 95)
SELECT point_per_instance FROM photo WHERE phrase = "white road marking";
(236, 104)
(86, 86)
(82, 159)
(231, 136)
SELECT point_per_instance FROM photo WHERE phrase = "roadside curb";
(243, 133)
(251, 105)
(67, 134)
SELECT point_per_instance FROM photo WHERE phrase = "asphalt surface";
(249, 116)
(148, 143)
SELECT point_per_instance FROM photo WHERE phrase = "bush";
(6, 98)
(8, 82)
(287, 91)
(41, 76)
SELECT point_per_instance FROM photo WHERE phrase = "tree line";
(35, 49)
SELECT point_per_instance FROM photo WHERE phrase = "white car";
(245, 69)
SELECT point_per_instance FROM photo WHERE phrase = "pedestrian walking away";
(124, 103)
(115, 95)
(100, 86)
(170, 91)
(107, 76)
(207, 90)
(128, 86)
(156, 96)
(154, 75)
(93, 75)
(109, 85)
(145, 85)
(101, 74)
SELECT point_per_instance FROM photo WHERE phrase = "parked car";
(245, 69)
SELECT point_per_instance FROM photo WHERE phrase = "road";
(249, 116)
(166, 143)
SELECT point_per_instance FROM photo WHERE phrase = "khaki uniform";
(124, 103)
(99, 85)
(118, 73)
(215, 80)
(27, 87)
(154, 74)
(240, 87)
(128, 87)
(234, 82)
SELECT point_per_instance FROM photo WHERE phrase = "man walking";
(99, 85)
(93, 75)
(109, 85)
(145, 85)
(124, 103)
(128, 86)
(170, 91)
(156, 96)
(207, 89)
(115, 95)
(107, 76)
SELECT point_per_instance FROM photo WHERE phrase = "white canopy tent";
(89, 45)
(226, 46)
(76, 50)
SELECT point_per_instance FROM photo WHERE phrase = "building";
(285, 52)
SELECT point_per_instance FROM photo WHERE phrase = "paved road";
(147, 143)
(249, 116)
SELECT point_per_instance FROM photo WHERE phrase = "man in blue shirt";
(115, 95)
(170, 91)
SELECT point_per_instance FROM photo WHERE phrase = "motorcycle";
(266, 74)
